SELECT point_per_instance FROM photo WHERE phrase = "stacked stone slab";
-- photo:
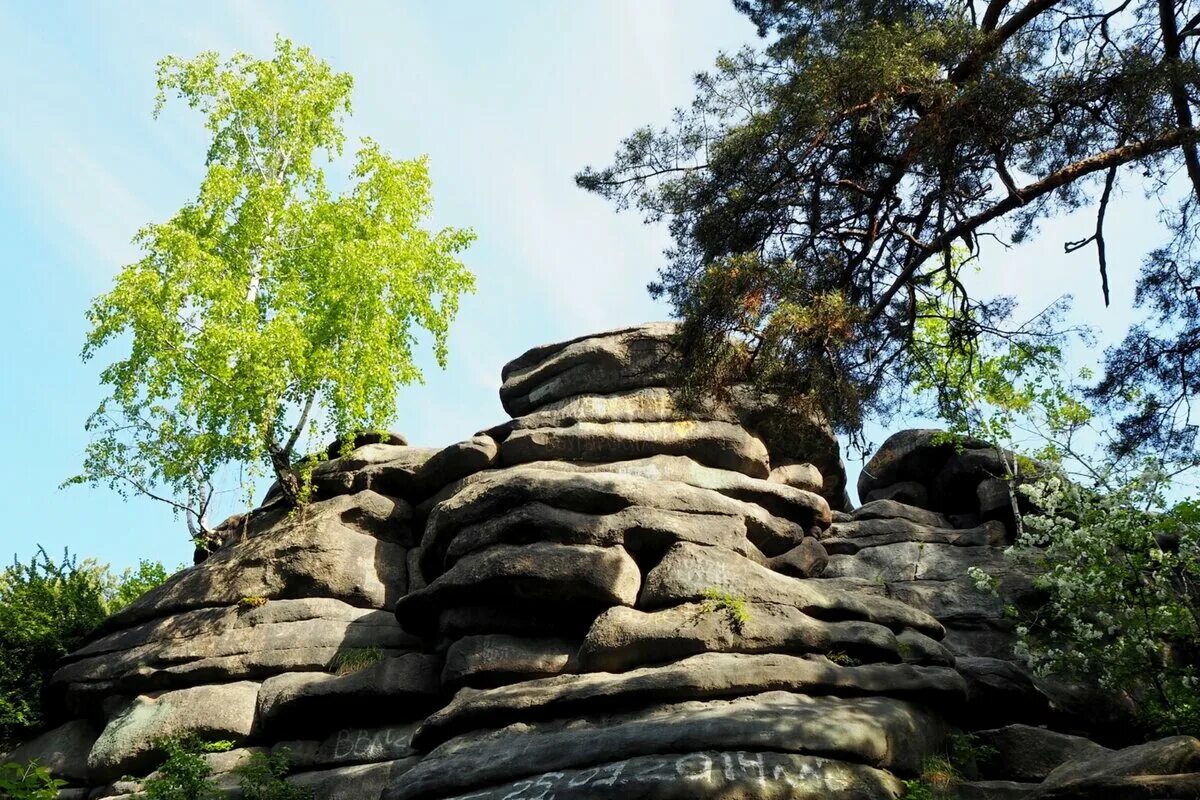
(245, 645)
(966, 479)
(608, 596)
(626, 610)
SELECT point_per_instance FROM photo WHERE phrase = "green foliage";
(261, 778)
(964, 751)
(28, 782)
(936, 782)
(353, 659)
(917, 789)
(132, 584)
(842, 659)
(270, 306)
(818, 185)
(1121, 571)
(47, 608)
(1118, 563)
(941, 774)
(989, 388)
(735, 607)
(185, 773)
(251, 602)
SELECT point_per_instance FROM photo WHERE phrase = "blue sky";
(508, 100)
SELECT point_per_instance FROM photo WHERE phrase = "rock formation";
(607, 596)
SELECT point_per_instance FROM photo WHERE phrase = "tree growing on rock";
(816, 187)
(270, 306)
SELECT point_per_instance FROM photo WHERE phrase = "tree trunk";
(285, 473)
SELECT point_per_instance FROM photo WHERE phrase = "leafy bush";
(937, 781)
(185, 773)
(123, 589)
(1121, 570)
(735, 607)
(353, 659)
(261, 778)
(27, 782)
(47, 608)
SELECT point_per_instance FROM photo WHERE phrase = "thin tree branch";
(1179, 97)
(1032, 191)
(295, 437)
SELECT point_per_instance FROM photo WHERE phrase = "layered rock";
(610, 595)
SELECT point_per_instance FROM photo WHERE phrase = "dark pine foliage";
(825, 190)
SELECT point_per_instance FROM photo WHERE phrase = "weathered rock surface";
(848, 538)
(701, 677)
(876, 731)
(805, 508)
(319, 554)
(224, 644)
(364, 438)
(589, 493)
(743, 775)
(615, 595)
(352, 783)
(453, 463)
(806, 560)
(791, 440)
(623, 638)
(126, 746)
(891, 509)
(498, 659)
(639, 529)
(384, 468)
(400, 687)
(350, 746)
(911, 455)
(1167, 768)
(1024, 753)
(629, 358)
(582, 577)
(63, 750)
(798, 476)
(688, 571)
(714, 444)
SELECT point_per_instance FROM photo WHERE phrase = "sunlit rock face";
(607, 596)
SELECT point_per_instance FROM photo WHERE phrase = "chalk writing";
(810, 776)
(366, 744)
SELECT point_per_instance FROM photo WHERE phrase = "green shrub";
(185, 773)
(1121, 573)
(937, 781)
(251, 602)
(353, 659)
(27, 782)
(843, 659)
(735, 608)
(47, 608)
(916, 789)
(123, 589)
(261, 778)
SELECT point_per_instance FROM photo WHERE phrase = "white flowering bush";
(1121, 575)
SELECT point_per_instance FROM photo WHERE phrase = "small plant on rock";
(735, 608)
(251, 602)
(843, 659)
(936, 782)
(353, 659)
(261, 777)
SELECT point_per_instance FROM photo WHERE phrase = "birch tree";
(270, 306)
